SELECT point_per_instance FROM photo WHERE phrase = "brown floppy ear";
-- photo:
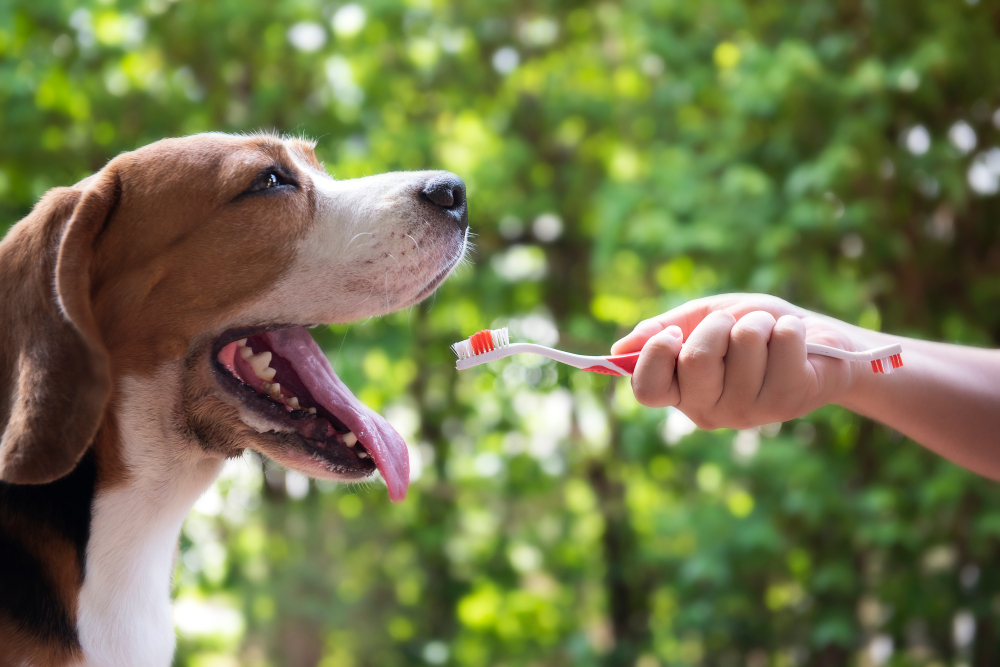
(54, 372)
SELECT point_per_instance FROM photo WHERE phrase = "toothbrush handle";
(883, 359)
(624, 364)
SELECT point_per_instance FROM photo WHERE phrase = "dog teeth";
(350, 439)
(260, 361)
(261, 365)
(362, 454)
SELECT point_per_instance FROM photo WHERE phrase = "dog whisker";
(418, 246)
(341, 348)
(372, 291)
(417, 267)
(354, 238)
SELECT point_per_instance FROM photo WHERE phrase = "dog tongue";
(373, 431)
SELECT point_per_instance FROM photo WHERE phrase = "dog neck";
(124, 605)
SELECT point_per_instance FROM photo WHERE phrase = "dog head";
(208, 256)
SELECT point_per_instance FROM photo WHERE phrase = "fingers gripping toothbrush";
(492, 344)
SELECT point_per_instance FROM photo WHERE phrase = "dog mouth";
(283, 376)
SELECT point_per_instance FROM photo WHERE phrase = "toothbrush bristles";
(886, 365)
(481, 342)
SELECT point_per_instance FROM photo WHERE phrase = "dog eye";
(271, 179)
(274, 179)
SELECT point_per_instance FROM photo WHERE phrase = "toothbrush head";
(484, 341)
(885, 365)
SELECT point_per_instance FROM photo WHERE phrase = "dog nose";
(448, 192)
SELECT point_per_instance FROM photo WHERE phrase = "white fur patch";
(124, 606)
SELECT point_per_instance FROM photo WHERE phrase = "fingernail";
(675, 331)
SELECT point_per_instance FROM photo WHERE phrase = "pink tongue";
(378, 437)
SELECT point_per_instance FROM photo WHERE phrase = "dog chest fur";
(124, 604)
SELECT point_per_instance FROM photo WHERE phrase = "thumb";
(643, 331)
(654, 383)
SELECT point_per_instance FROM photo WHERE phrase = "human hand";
(739, 360)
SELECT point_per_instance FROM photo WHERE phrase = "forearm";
(947, 398)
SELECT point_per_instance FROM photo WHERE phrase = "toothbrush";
(492, 344)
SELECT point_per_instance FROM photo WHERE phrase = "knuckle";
(660, 346)
(737, 418)
(740, 416)
(747, 335)
(652, 401)
(650, 394)
(788, 408)
(708, 424)
(781, 405)
(647, 325)
(761, 317)
(754, 329)
(774, 416)
(692, 355)
(787, 320)
(643, 394)
(723, 317)
(788, 326)
(767, 318)
(700, 423)
(702, 420)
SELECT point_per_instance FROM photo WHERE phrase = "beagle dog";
(153, 324)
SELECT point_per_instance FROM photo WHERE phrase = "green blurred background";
(621, 158)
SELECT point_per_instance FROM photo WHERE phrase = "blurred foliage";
(621, 159)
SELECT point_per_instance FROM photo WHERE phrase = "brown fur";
(50, 362)
(19, 646)
(60, 560)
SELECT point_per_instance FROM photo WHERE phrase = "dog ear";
(54, 370)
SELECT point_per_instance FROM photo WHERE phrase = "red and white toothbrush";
(492, 344)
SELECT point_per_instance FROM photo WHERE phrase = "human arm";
(743, 363)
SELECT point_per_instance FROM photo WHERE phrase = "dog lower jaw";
(315, 464)
(313, 458)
